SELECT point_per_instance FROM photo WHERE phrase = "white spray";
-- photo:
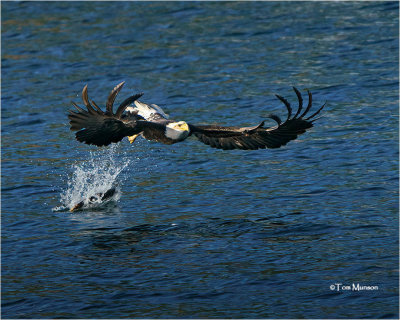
(96, 175)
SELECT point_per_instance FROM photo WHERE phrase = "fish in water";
(98, 197)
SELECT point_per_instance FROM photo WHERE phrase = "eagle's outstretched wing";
(101, 128)
(258, 137)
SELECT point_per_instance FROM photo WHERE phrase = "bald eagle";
(134, 118)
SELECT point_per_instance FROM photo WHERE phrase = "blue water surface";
(199, 232)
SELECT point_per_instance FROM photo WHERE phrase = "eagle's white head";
(177, 130)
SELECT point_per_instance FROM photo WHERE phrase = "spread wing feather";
(258, 137)
(101, 128)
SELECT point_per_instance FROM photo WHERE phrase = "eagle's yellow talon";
(132, 138)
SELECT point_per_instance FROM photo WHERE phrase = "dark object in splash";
(134, 118)
(95, 198)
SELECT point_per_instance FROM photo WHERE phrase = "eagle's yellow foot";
(132, 138)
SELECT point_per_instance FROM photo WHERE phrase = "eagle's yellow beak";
(77, 206)
(183, 126)
(132, 138)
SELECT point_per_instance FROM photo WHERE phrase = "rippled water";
(199, 232)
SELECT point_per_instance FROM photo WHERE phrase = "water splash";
(99, 173)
